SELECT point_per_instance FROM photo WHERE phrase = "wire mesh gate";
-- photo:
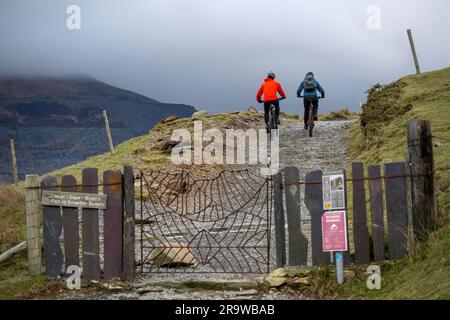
(220, 225)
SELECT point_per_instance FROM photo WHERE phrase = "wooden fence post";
(53, 257)
(280, 231)
(396, 208)
(33, 210)
(423, 190)
(413, 49)
(297, 242)
(113, 225)
(360, 229)
(314, 203)
(14, 162)
(90, 229)
(128, 225)
(108, 132)
(377, 212)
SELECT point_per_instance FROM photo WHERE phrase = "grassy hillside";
(381, 137)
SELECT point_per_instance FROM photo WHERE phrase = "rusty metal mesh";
(219, 225)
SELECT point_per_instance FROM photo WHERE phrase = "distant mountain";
(75, 100)
(55, 113)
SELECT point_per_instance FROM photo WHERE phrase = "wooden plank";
(377, 212)
(396, 207)
(74, 200)
(90, 229)
(314, 204)
(129, 266)
(34, 218)
(14, 162)
(360, 229)
(113, 219)
(52, 232)
(423, 188)
(70, 226)
(280, 231)
(297, 241)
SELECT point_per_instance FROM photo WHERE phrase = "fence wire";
(43, 150)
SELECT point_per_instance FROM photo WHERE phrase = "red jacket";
(270, 88)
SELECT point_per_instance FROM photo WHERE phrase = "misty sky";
(214, 54)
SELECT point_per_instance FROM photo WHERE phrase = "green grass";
(380, 137)
(15, 283)
(341, 114)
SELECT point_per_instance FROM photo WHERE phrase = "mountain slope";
(63, 116)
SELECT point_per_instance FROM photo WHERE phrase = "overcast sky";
(214, 54)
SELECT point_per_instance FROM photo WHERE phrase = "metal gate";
(219, 225)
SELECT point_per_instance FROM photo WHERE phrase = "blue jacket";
(310, 94)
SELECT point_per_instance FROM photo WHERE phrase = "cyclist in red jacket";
(270, 88)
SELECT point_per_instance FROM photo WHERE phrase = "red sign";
(334, 231)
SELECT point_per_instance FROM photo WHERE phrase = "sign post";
(334, 219)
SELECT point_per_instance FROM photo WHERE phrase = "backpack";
(310, 85)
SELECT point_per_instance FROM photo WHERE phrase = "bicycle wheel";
(311, 121)
(270, 123)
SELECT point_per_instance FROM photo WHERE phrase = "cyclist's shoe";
(306, 127)
(267, 128)
(278, 121)
(316, 118)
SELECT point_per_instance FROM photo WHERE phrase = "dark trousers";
(267, 104)
(306, 102)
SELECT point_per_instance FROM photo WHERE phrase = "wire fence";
(43, 150)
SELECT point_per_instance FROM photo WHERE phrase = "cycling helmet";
(271, 75)
(309, 75)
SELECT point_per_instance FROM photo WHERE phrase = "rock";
(172, 255)
(300, 282)
(438, 144)
(199, 114)
(274, 282)
(165, 145)
(290, 272)
(169, 119)
(252, 109)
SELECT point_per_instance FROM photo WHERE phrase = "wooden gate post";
(129, 253)
(33, 210)
(423, 190)
(280, 231)
(297, 242)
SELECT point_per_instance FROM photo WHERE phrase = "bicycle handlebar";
(316, 97)
(279, 99)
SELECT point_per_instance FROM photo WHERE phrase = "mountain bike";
(273, 119)
(311, 120)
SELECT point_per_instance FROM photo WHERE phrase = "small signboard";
(74, 200)
(334, 231)
(333, 186)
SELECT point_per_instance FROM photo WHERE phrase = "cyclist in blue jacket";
(310, 86)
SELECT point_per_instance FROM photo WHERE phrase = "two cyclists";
(270, 88)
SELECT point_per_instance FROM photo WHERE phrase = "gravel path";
(325, 151)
